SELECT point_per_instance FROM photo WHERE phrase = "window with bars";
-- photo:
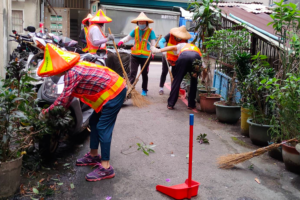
(17, 20)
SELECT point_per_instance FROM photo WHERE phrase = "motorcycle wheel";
(49, 144)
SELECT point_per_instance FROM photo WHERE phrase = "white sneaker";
(161, 92)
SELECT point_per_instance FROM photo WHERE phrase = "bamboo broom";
(137, 99)
(131, 90)
(171, 75)
(228, 161)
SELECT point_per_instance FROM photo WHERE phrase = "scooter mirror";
(46, 30)
(55, 79)
(31, 29)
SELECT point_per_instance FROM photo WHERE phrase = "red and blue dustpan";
(189, 188)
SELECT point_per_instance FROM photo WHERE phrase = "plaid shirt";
(81, 80)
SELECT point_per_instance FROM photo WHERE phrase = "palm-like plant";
(207, 17)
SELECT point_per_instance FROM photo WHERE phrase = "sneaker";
(87, 159)
(144, 93)
(100, 173)
(161, 92)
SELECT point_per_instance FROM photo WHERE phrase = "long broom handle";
(120, 60)
(137, 78)
(171, 75)
(190, 154)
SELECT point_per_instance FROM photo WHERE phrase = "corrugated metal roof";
(259, 20)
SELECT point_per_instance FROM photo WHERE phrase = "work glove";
(155, 50)
(152, 55)
(164, 53)
(111, 37)
(42, 116)
(120, 43)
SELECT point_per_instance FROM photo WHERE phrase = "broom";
(171, 75)
(228, 161)
(137, 99)
(131, 91)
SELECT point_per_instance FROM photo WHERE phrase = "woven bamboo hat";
(142, 18)
(56, 61)
(89, 16)
(100, 17)
(181, 33)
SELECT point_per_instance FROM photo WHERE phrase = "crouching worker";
(97, 86)
(187, 55)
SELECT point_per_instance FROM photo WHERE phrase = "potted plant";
(242, 69)
(14, 138)
(208, 99)
(228, 44)
(260, 104)
(286, 85)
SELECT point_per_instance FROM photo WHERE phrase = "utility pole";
(5, 30)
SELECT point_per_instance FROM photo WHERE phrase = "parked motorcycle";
(52, 87)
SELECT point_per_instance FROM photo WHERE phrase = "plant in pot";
(286, 85)
(261, 105)
(242, 69)
(207, 21)
(14, 139)
(286, 121)
(228, 45)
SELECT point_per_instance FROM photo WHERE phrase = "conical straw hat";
(100, 17)
(56, 61)
(181, 32)
(89, 16)
(142, 17)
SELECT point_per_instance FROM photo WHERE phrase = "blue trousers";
(102, 124)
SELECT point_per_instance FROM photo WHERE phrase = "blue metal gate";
(222, 83)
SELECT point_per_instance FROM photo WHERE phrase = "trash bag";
(112, 61)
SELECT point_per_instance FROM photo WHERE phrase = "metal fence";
(258, 44)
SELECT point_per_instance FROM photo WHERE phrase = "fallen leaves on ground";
(22, 190)
(41, 180)
(257, 180)
(151, 143)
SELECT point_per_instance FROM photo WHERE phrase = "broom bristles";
(138, 100)
(228, 161)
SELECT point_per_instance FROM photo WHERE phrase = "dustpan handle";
(191, 150)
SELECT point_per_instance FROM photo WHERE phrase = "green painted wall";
(164, 4)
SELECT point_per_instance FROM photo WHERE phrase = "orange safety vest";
(171, 56)
(140, 47)
(86, 36)
(190, 47)
(93, 49)
(115, 86)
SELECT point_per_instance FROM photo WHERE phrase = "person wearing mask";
(84, 32)
(187, 54)
(170, 40)
(144, 37)
(97, 86)
(96, 39)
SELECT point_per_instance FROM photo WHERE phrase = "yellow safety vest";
(93, 49)
(115, 86)
(140, 47)
(86, 35)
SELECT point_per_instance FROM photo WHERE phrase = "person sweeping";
(84, 32)
(96, 39)
(97, 86)
(187, 55)
(143, 37)
(171, 39)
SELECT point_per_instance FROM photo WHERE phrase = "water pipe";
(254, 27)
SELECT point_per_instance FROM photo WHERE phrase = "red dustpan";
(189, 188)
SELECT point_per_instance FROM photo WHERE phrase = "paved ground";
(137, 174)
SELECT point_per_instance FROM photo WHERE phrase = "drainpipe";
(6, 30)
(254, 27)
(42, 11)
